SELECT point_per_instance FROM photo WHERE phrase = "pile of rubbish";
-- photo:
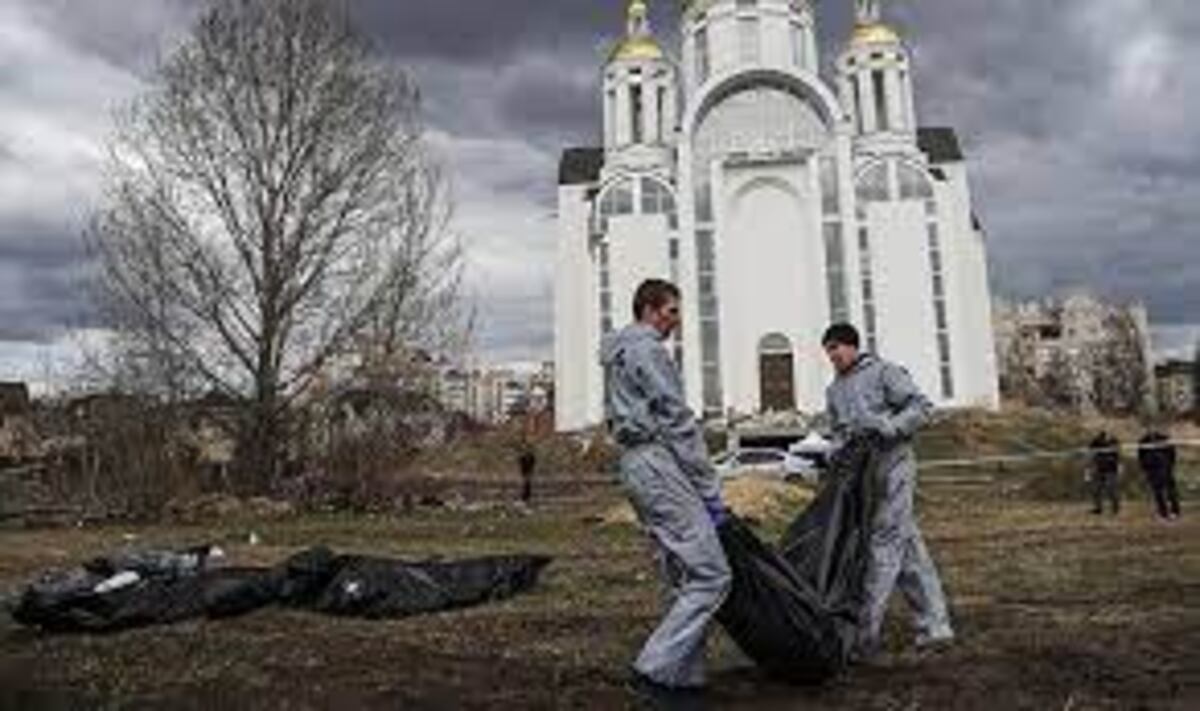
(146, 588)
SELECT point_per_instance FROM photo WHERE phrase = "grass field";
(1056, 609)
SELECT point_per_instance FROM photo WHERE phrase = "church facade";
(779, 201)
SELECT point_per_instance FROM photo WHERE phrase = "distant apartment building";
(496, 394)
(1176, 385)
(1078, 352)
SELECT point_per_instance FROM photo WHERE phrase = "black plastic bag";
(380, 587)
(316, 579)
(795, 610)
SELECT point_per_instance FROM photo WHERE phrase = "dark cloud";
(1076, 116)
(43, 292)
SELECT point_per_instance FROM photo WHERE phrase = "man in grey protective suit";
(666, 474)
(872, 397)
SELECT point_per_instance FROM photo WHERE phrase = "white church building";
(780, 201)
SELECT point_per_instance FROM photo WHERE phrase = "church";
(780, 201)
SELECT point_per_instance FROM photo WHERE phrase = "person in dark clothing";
(1105, 472)
(527, 462)
(1156, 454)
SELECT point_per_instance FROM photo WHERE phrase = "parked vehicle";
(764, 462)
(813, 451)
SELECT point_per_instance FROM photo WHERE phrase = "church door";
(776, 372)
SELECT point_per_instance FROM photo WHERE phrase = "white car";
(764, 462)
(814, 451)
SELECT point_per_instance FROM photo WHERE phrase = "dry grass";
(1055, 608)
(753, 498)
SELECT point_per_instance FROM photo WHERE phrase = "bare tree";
(272, 207)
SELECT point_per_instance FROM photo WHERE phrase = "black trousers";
(1105, 486)
(1166, 492)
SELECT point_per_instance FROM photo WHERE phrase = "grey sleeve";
(675, 422)
(838, 431)
(909, 407)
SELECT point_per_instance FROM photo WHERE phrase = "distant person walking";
(1105, 472)
(872, 397)
(665, 472)
(1156, 455)
(527, 463)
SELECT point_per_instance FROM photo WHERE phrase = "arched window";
(617, 199)
(873, 184)
(657, 199)
(913, 183)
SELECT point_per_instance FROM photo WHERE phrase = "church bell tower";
(640, 97)
(874, 74)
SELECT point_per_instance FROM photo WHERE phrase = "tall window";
(660, 105)
(636, 111)
(835, 252)
(855, 88)
(749, 39)
(610, 114)
(873, 185)
(702, 58)
(710, 329)
(799, 46)
(868, 289)
(914, 185)
(605, 282)
(881, 110)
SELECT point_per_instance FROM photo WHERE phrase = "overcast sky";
(1075, 114)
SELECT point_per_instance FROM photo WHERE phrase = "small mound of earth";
(753, 498)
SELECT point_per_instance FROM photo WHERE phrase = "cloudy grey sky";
(1074, 114)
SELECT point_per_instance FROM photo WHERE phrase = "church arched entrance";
(776, 374)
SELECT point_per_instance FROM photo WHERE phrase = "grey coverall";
(880, 397)
(666, 474)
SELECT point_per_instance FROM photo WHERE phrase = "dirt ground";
(1056, 609)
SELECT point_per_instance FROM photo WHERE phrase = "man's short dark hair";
(652, 294)
(842, 334)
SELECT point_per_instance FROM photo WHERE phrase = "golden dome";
(874, 33)
(639, 47)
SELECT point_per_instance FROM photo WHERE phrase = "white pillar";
(650, 133)
(891, 90)
(909, 103)
(624, 132)
(866, 101)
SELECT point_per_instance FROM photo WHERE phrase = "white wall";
(574, 312)
(771, 277)
(904, 290)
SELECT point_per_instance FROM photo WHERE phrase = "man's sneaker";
(652, 694)
(868, 655)
(935, 641)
